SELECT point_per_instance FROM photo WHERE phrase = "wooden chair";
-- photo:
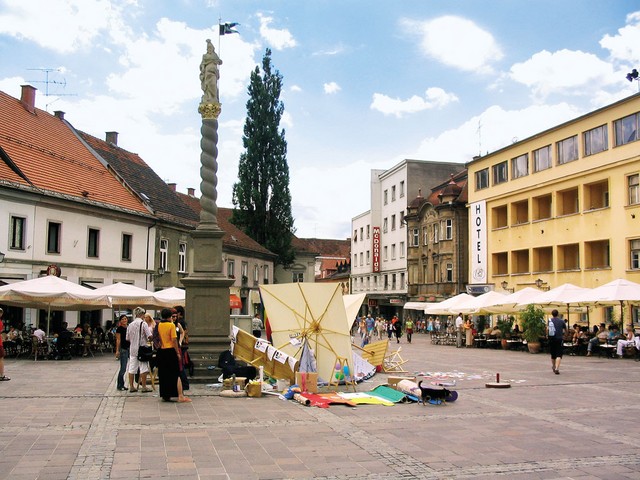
(393, 362)
(375, 352)
(39, 348)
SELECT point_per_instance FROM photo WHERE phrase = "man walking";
(556, 334)
(459, 323)
(138, 333)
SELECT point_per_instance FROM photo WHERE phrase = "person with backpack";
(555, 333)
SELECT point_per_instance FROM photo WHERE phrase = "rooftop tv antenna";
(48, 82)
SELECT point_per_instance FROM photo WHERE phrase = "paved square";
(65, 419)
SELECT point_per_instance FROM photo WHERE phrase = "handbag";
(145, 352)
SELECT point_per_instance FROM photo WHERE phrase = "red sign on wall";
(376, 249)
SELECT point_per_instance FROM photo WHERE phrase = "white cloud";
(625, 46)
(565, 71)
(434, 98)
(277, 38)
(331, 87)
(63, 26)
(492, 130)
(457, 42)
(295, 88)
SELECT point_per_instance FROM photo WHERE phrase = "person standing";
(468, 330)
(409, 329)
(397, 327)
(459, 327)
(138, 334)
(556, 329)
(257, 326)
(3, 377)
(122, 349)
(168, 358)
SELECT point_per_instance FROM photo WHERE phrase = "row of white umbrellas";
(567, 295)
(55, 293)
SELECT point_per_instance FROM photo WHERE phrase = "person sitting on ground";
(599, 339)
(629, 341)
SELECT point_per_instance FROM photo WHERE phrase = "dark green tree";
(261, 197)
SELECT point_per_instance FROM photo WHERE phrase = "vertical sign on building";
(478, 242)
(376, 249)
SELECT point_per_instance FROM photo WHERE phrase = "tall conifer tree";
(261, 197)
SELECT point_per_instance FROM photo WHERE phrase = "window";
(355, 259)
(386, 253)
(499, 217)
(635, 254)
(386, 282)
(596, 195)
(393, 193)
(567, 202)
(244, 271)
(448, 229)
(402, 222)
(355, 235)
(520, 261)
(386, 197)
(54, 229)
(361, 230)
(93, 245)
(415, 235)
(393, 222)
(567, 150)
(500, 263)
(385, 225)
(402, 281)
(569, 257)
(542, 158)
(436, 273)
(393, 251)
(256, 274)
(182, 257)
(401, 249)
(596, 254)
(436, 233)
(231, 268)
(482, 179)
(626, 129)
(298, 277)
(543, 259)
(16, 241)
(634, 189)
(541, 207)
(595, 140)
(402, 189)
(368, 257)
(500, 174)
(368, 232)
(266, 274)
(361, 259)
(164, 252)
(449, 272)
(519, 166)
(520, 212)
(125, 255)
(425, 236)
(393, 281)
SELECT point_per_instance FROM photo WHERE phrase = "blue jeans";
(124, 358)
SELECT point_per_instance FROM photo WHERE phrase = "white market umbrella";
(481, 303)
(127, 295)
(51, 292)
(613, 293)
(170, 297)
(514, 302)
(352, 304)
(564, 295)
(312, 313)
(442, 308)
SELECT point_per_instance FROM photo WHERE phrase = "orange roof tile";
(53, 158)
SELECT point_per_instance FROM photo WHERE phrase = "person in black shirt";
(122, 349)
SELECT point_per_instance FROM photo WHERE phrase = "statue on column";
(209, 75)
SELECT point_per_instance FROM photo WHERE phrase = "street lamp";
(153, 276)
(505, 287)
(542, 285)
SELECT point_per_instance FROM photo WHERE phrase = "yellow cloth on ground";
(361, 398)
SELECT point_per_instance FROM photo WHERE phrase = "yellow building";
(562, 206)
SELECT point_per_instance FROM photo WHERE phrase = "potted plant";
(533, 327)
(504, 325)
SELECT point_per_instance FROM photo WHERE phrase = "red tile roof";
(233, 236)
(53, 159)
(323, 247)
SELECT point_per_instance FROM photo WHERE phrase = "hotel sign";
(478, 242)
(376, 249)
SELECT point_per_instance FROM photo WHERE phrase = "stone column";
(207, 288)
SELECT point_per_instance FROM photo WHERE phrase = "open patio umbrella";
(613, 293)
(352, 304)
(514, 302)
(442, 308)
(170, 297)
(312, 313)
(52, 292)
(481, 303)
(127, 295)
(564, 295)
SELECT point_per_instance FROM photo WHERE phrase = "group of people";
(169, 337)
(367, 328)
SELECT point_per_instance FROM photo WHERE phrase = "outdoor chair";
(393, 362)
(38, 348)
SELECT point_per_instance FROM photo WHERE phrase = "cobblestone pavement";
(65, 419)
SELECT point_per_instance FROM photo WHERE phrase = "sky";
(366, 83)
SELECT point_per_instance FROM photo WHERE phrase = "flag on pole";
(226, 28)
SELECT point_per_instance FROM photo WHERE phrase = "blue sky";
(367, 83)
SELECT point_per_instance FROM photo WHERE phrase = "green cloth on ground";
(388, 393)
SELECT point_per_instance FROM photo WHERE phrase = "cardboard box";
(393, 381)
(227, 383)
(307, 381)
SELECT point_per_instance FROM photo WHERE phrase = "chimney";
(172, 186)
(28, 98)
(191, 191)
(59, 114)
(112, 137)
